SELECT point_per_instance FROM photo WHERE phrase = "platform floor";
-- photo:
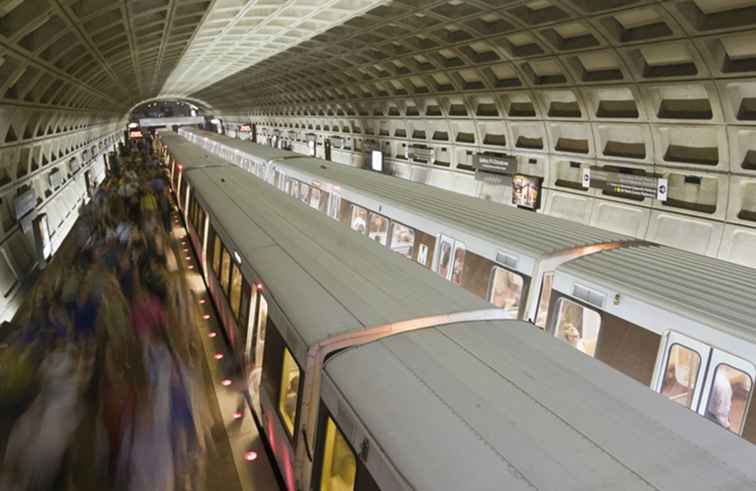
(240, 450)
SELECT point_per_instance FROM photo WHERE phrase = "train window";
(315, 195)
(458, 266)
(445, 257)
(294, 191)
(578, 326)
(543, 305)
(304, 192)
(402, 239)
(506, 291)
(359, 219)
(334, 210)
(225, 271)
(287, 401)
(345, 212)
(729, 397)
(323, 201)
(246, 297)
(425, 246)
(234, 297)
(216, 254)
(339, 463)
(378, 228)
(681, 375)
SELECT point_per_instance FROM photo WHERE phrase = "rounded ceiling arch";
(165, 98)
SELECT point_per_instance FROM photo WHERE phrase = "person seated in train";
(571, 334)
(720, 400)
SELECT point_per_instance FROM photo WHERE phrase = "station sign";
(245, 128)
(647, 186)
(136, 134)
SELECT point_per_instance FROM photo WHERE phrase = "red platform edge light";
(250, 456)
(259, 286)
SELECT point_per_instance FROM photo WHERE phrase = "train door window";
(445, 257)
(334, 209)
(234, 296)
(729, 392)
(225, 271)
(304, 193)
(359, 219)
(681, 375)
(289, 390)
(260, 330)
(286, 185)
(244, 312)
(458, 266)
(425, 248)
(578, 326)
(294, 191)
(545, 300)
(378, 228)
(339, 468)
(315, 195)
(217, 247)
(324, 199)
(345, 212)
(506, 291)
(402, 239)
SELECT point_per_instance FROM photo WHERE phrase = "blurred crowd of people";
(101, 367)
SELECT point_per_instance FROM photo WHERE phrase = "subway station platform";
(228, 453)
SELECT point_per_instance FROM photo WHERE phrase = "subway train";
(678, 322)
(370, 372)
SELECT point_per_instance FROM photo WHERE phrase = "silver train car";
(673, 340)
(373, 373)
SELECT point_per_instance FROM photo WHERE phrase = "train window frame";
(235, 303)
(289, 364)
(523, 292)
(411, 252)
(225, 274)
(355, 212)
(215, 247)
(585, 308)
(544, 301)
(718, 360)
(364, 480)
(372, 234)
(693, 389)
(333, 438)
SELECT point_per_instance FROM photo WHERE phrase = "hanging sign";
(648, 186)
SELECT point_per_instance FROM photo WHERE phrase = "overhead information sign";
(499, 164)
(648, 186)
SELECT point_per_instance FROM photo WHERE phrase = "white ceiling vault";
(238, 33)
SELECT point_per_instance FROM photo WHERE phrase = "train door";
(727, 393)
(42, 237)
(255, 343)
(684, 363)
(450, 259)
(88, 182)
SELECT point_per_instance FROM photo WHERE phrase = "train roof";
(535, 234)
(264, 153)
(499, 405)
(189, 154)
(718, 293)
(326, 278)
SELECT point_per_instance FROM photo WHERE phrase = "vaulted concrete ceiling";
(111, 54)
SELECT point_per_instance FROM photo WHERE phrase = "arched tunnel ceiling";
(416, 48)
(111, 54)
